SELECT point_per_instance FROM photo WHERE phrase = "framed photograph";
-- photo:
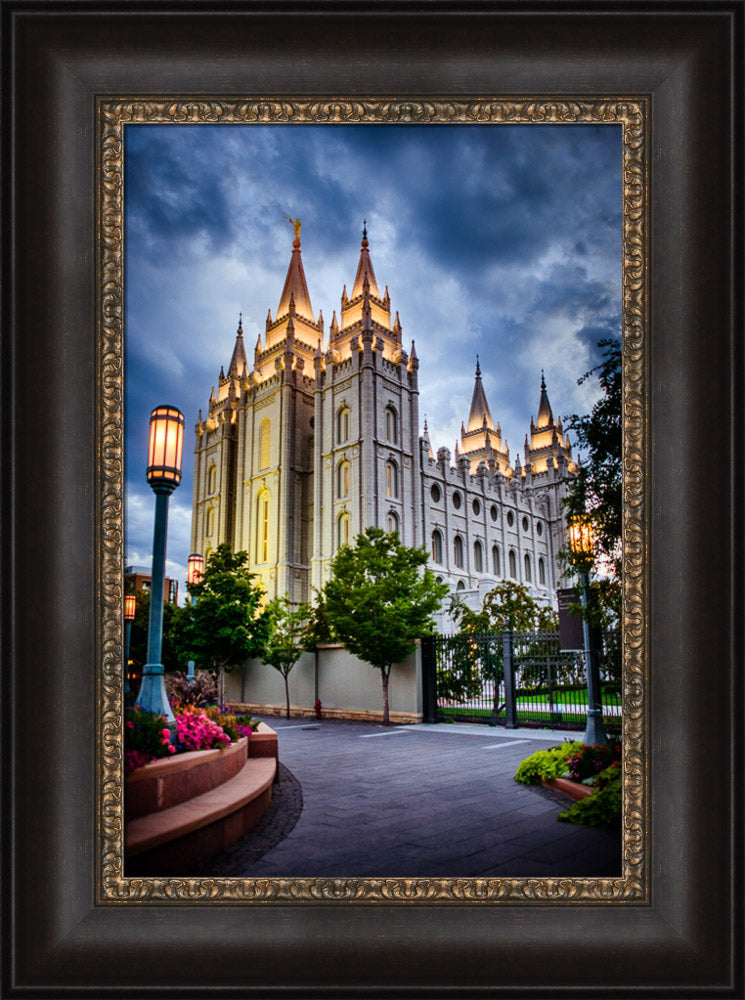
(666, 83)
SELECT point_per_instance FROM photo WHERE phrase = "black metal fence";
(516, 679)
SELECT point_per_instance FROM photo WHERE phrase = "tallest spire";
(295, 290)
(365, 269)
(479, 415)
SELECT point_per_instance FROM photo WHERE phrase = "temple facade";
(321, 437)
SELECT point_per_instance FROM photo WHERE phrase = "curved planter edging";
(573, 789)
(169, 781)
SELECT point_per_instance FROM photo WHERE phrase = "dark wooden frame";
(689, 938)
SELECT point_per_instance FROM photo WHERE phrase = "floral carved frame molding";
(112, 116)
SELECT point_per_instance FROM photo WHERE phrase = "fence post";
(429, 679)
(510, 701)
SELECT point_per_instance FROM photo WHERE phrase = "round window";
(476, 507)
(510, 518)
(494, 512)
(435, 493)
(456, 501)
(526, 524)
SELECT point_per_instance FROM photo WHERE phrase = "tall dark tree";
(170, 651)
(226, 625)
(597, 488)
(380, 600)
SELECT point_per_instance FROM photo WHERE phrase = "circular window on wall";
(526, 524)
(494, 512)
(539, 529)
(435, 493)
(510, 518)
(456, 501)
(476, 508)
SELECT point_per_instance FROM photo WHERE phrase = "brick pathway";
(415, 801)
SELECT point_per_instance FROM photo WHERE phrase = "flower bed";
(597, 767)
(148, 737)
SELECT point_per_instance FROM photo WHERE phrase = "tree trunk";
(287, 693)
(384, 676)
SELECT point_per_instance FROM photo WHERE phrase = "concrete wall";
(347, 687)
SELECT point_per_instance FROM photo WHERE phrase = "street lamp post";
(194, 570)
(130, 603)
(164, 475)
(581, 544)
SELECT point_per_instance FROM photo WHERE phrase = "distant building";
(320, 439)
(137, 578)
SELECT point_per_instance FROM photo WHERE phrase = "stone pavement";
(419, 800)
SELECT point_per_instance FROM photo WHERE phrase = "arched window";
(542, 572)
(342, 425)
(478, 557)
(264, 435)
(458, 551)
(391, 479)
(437, 546)
(342, 479)
(342, 530)
(513, 564)
(391, 523)
(391, 425)
(262, 527)
(461, 585)
(210, 521)
(528, 569)
(211, 479)
(496, 561)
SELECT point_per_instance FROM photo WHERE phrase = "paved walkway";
(420, 800)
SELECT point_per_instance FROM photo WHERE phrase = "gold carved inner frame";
(112, 116)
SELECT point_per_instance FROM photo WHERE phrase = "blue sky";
(497, 240)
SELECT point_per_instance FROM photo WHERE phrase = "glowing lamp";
(165, 448)
(194, 568)
(129, 607)
(581, 539)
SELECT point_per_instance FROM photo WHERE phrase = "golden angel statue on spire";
(295, 225)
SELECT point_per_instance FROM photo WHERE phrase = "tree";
(596, 490)
(286, 638)
(226, 625)
(379, 601)
(170, 651)
(508, 605)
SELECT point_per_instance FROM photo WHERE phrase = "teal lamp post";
(130, 604)
(581, 543)
(164, 475)
(194, 570)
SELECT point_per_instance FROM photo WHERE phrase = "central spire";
(295, 291)
(479, 415)
(365, 269)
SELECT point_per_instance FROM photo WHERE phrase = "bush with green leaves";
(146, 737)
(546, 765)
(587, 761)
(603, 807)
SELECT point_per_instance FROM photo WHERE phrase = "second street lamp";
(581, 544)
(130, 603)
(194, 570)
(164, 475)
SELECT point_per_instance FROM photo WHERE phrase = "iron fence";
(516, 679)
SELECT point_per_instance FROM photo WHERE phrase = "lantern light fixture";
(194, 568)
(130, 603)
(581, 537)
(165, 448)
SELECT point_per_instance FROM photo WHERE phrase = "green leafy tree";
(380, 600)
(508, 605)
(596, 490)
(286, 638)
(226, 625)
(170, 651)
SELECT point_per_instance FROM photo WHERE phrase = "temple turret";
(481, 439)
(546, 440)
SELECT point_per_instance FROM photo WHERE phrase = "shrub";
(201, 690)
(146, 737)
(196, 731)
(603, 807)
(587, 761)
(546, 765)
